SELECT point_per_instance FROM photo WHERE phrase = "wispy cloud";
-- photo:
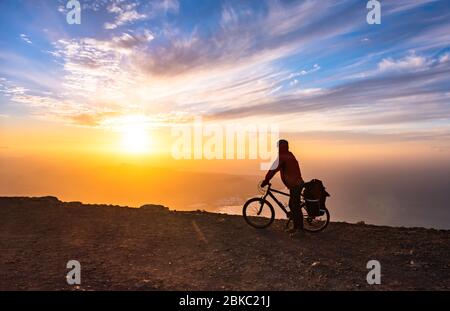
(410, 62)
(374, 100)
(304, 72)
(129, 12)
(444, 58)
(124, 13)
(314, 61)
(25, 38)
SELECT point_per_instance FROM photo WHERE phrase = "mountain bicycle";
(259, 213)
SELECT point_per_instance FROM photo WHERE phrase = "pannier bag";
(315, 196)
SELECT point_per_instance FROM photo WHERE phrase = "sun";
(135, 135)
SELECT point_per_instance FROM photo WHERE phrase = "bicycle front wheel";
(258, 213)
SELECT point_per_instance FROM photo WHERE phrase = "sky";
(343, 91)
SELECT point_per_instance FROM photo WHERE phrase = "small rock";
(414, 264)
(315, 263)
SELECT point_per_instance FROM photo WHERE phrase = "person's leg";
(294, 205)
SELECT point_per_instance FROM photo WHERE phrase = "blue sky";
(307, 65)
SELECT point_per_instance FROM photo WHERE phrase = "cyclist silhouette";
(291, 176)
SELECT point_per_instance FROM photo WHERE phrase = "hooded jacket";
(288, 166)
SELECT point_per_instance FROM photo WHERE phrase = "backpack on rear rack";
(315, 196)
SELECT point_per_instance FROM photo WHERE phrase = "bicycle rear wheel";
(312, 224)
(316, 223)
(258, 213)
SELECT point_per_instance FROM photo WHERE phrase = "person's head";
(283, 145)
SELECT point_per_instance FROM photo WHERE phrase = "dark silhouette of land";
(152, 248)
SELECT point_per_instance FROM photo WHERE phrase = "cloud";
(124, 18)
(129, 41)
(91, 119)
(228, 16)
(409, 63)
(249, 36)
(165, 6)
(406, 96)
(399, 6)
(25, 38)
(248, 61)
(444, 58)
(315, 68)
(309, 91)
(127, 12)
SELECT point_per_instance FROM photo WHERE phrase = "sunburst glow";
(135, 135)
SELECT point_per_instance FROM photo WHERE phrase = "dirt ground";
(152, 248)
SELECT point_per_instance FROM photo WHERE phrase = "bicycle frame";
(270, 194)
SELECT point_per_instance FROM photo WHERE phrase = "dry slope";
(152, 248)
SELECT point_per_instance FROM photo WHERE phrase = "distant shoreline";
(233, 210)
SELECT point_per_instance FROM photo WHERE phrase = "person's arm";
(276, 166)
